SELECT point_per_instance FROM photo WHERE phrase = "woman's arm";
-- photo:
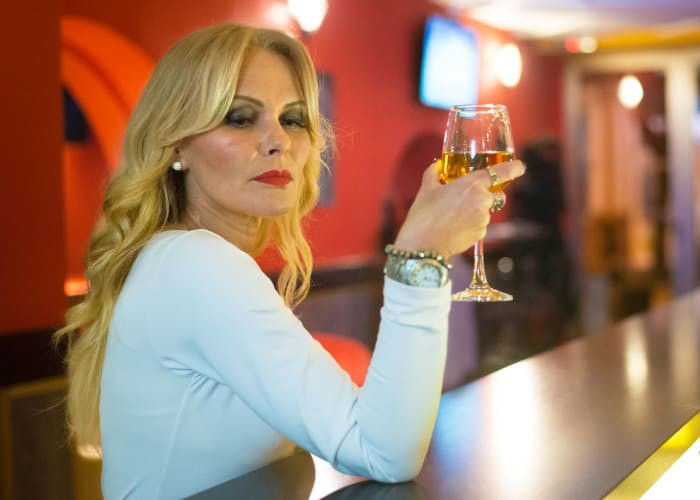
(226, 321)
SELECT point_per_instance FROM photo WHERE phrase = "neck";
(240, 230)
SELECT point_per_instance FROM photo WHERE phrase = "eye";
(240, 118)
(295, 119)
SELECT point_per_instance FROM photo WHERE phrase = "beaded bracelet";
(420, 254)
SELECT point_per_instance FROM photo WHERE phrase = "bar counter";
(569, 423)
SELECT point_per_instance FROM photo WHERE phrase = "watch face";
(427, 275)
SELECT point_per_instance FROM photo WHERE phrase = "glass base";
(481, 294)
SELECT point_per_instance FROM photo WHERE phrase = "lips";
(275, 177)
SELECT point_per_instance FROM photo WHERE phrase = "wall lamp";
(308, 13)
(508, 65)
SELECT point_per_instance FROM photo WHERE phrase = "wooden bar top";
(569, 423)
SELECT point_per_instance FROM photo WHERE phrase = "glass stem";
(479, 274)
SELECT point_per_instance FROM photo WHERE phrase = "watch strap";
(421, 269)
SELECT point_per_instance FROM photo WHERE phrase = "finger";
(478, 196)
(506, 171)
(431, 175)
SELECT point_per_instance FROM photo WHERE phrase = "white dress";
(208, 375)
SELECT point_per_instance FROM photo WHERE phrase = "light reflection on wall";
(277, 16)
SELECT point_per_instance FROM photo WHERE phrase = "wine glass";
(477, 136)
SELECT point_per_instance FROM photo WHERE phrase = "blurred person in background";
(539, 199)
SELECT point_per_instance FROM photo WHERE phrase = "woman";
(187, 366)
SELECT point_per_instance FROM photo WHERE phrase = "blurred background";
(603, 100)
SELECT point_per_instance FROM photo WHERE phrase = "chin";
(277, 211)
(280, 207)
(266, 205)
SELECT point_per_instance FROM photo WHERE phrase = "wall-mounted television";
(449, 72)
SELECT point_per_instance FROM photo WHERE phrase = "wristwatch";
(424, 273)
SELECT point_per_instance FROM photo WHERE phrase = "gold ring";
(494, 177)
(498, 204)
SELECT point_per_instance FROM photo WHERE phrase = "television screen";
(449, 72)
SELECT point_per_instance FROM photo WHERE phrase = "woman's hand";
(450, 218)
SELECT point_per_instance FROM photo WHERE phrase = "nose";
(275, 140)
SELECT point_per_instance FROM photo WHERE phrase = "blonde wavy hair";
(190, 92)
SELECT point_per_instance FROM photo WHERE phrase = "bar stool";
(352, 355)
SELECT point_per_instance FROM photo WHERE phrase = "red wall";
(84, 180)
(371, 48)
(32, 266)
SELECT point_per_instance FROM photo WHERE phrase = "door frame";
(680, 67)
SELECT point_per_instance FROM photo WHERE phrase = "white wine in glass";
(477, 136)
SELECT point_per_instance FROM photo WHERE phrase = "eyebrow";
(262, 105)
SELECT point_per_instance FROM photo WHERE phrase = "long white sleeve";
(205, 364)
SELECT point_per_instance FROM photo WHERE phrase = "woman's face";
(251, 165)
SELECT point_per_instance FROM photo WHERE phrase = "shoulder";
(188, 258)
(197, 242)
(194, 248)
(196, 276)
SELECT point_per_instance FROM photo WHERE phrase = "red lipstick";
(275, 177)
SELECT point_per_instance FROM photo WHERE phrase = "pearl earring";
(177, 166)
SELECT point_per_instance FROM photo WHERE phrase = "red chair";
(352, 356)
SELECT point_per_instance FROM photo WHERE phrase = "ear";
(178, 163)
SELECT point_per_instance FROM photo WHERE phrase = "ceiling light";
(630, 91)
(587, 44)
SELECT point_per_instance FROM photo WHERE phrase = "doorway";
(630, 176)
(625, 196)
